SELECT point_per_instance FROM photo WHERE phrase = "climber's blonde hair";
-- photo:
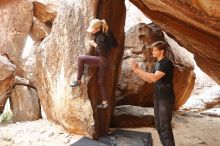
(96, 23)
(104, 26)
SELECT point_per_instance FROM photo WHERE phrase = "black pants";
(163, 117)
(94, 61)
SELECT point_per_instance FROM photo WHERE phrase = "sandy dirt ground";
(190, 129)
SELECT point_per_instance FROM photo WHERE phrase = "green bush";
(6, 117)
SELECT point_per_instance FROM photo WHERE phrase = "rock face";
(16, 20)
(131, 89)
(127, 116)
(195, 25)
(44, 15)
(25, 104)
(134, 91)
(74, 108)
(39, 30)
(184, 76)
(24, 101)
(56, 66)
(205, 95)
(45, 12)
(7, 68)
(7, 71)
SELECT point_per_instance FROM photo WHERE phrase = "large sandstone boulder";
(131, 89)
(45, 11)
(44, 14)
(194, 24)
(7, 72)
(16, 20)
(23, 97)
(205, 95)
(55, 66)
(184, 75)
(5, 2)
(75, 108)
(128, 116)
(24, 101)
(39, 30)
(134, 91)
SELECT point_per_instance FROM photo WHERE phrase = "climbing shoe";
(103, 105)
(75, 83)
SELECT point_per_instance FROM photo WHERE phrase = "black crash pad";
(121, 137)
(118, 138)
(88, 142)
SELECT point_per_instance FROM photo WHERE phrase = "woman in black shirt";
(164, 99)
(103, 42)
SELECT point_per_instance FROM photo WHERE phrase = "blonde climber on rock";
(103, 43)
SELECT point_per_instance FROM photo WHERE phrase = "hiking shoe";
(75, 83)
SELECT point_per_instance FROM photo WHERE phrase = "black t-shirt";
(164, 86)
(165, 66)
(105, 42)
